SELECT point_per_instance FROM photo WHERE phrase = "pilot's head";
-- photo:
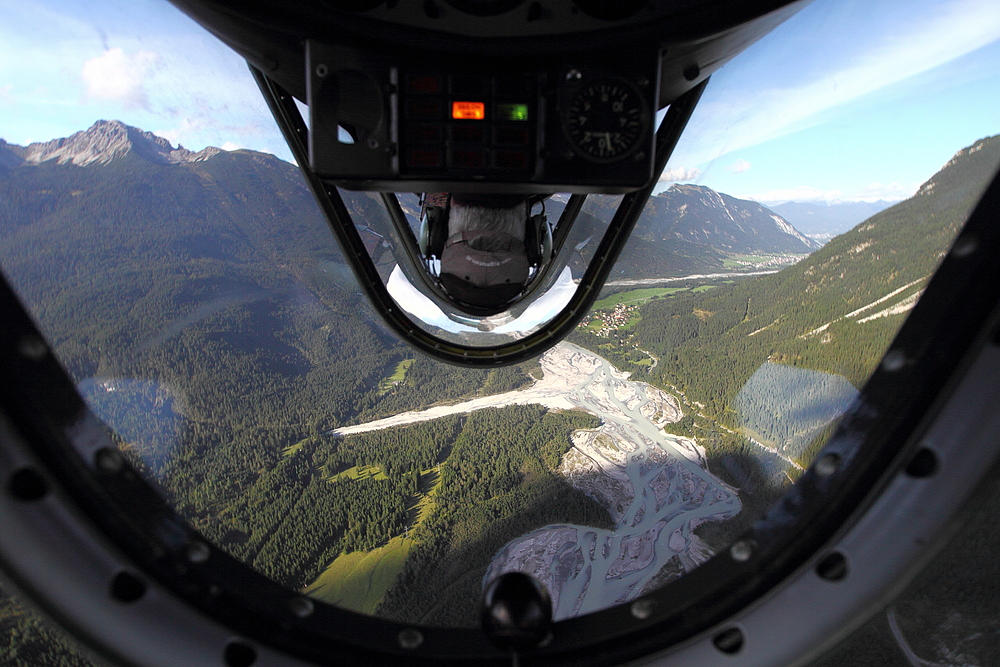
(484, 262)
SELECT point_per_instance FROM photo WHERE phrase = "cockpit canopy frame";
(296, 133)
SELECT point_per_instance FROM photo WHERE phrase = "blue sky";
(64, 65)
(848, 100)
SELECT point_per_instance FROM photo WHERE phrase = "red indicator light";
(468, 110)
(422, 157)
(425, 85)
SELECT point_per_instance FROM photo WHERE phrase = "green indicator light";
(512, 111)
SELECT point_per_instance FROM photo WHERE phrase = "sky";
(848, 100)
(853, 100)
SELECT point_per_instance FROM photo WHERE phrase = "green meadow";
(358, 580)
(644, 294)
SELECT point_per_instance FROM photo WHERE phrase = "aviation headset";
(435, 211)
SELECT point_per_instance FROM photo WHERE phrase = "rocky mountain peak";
(699, 214)
(104, 142)
(692, 189)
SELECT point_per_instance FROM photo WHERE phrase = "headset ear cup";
(546, 241)
(423, 241)
(437, 234)
(534, 239)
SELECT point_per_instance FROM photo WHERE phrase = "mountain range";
(165, 237)
(104, 142)
(702, 216)
(692, 229)
(687, 229)
(699, 217)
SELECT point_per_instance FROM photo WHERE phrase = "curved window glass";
(207, 316)
(415, 285)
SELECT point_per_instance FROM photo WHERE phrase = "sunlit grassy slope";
(358, 580)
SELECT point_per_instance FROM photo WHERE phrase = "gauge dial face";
(605, 120)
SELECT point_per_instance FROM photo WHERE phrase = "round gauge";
(605, 120)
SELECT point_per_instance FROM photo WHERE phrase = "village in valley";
(606, 321)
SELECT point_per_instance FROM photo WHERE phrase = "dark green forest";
(28, 641)
(498, 482)
(210, 304)
(491, 471)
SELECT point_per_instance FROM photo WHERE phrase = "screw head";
(33, 348)
(109, 460)
(410, 638)
(741, 551)
(301, 607)
(964, 246)
(894, 361)
(517, 611)
(643, 609)
(827, 465)
(197, 552)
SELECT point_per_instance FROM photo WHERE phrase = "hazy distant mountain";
(701, 215)
(698, 215)
(823, 221)
(692, 229)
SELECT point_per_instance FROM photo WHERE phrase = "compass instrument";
(606, 121)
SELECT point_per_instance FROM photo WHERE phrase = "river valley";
(656, 486)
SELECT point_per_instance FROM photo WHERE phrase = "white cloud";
(739, 166)
(187, 129)
(7, 94)
(230, 146)
(679, 174)
(929, 40)
(118, 77)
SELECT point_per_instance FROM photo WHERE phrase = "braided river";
(656, 486)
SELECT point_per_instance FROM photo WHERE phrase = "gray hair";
(472, 218)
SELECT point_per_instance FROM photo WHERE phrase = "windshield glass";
(153, 224)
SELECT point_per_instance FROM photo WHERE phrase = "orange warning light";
(468, 110)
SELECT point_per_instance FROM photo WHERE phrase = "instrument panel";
(570, 126)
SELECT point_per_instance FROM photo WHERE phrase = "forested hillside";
(834, 312)
(27, 641)
(498, 482)
(814, 314)
(217, 278)
(205, 311)
(326, 496)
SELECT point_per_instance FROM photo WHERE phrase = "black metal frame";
(294, 129)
